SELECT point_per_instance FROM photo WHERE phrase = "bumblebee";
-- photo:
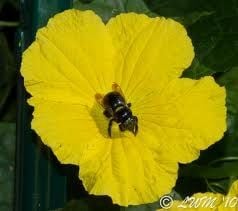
(117, 110)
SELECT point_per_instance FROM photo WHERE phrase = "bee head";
(130, 124)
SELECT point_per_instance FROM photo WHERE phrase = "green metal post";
(40, 184)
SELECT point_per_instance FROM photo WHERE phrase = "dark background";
(9, 20)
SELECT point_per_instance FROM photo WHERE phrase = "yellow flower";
(208, 201)
(77, 56)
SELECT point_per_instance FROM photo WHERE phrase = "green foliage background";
(8, 25)
(213, 28)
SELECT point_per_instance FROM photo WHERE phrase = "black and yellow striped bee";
(117, 110)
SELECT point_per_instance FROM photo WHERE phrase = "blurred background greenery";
(213, 28)
(9, 20)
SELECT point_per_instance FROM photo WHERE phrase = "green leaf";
(192, 18)
(75, 205)
(218, 174)
(230, 81)
(104, 9)
(224, 171)
(91, 203)
(143, 207)
(197, 70)
(230, 140)
(213, 28)
(215, 37)
(171, 8)
(107, 9)
(152, 206)
(186, 12)
(138, 6)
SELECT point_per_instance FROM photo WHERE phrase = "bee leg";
(107, 114)
(122, 127)
(135, 130)
(109, 130)
(129, 105)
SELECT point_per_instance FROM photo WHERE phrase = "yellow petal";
(123, 167)
(129, 173)
(186, 116)
(233, 189)
(151, 51)
(74, 50)
(65, 128)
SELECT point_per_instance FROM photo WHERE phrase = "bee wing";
(117, 88)
(99, 99)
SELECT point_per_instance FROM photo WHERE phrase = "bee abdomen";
(123, 113)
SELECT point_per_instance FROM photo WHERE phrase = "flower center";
(116, 110)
